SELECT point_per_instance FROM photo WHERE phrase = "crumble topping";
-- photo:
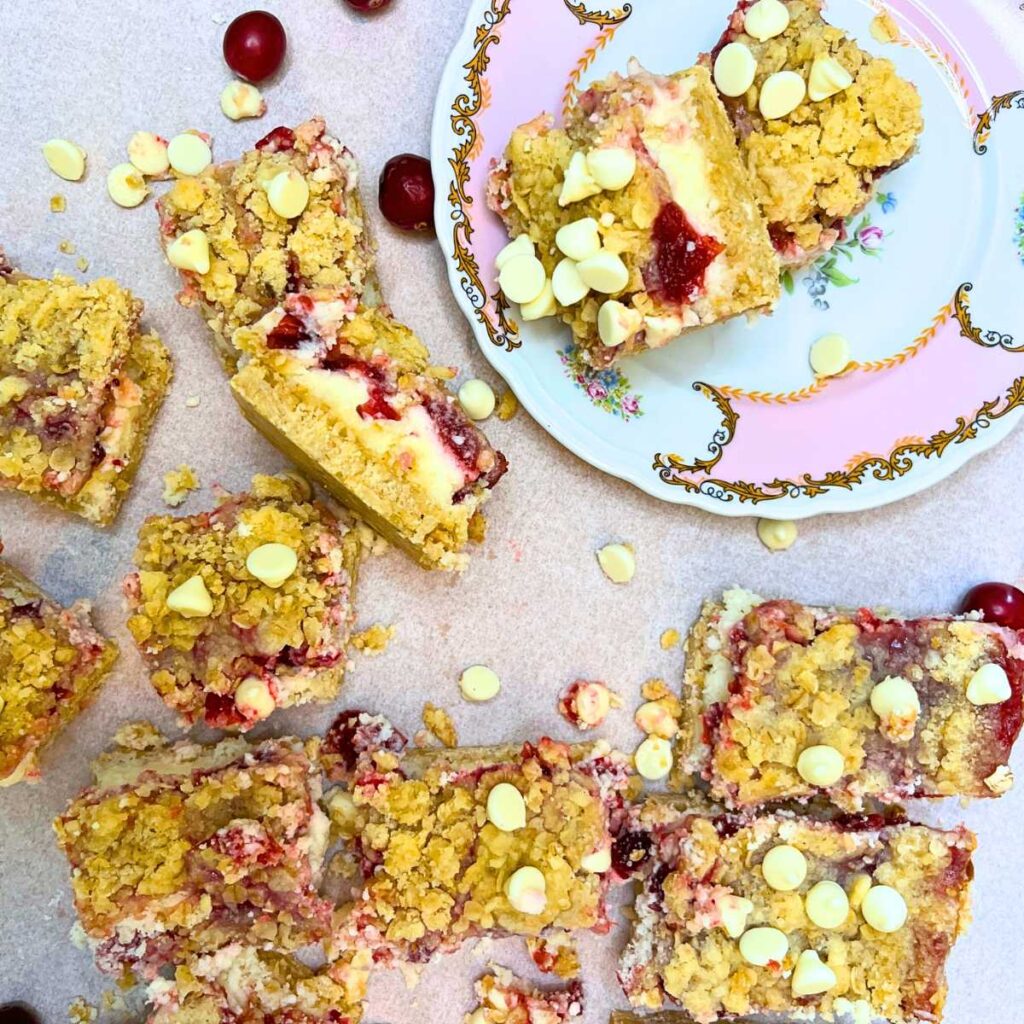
(178, 483)
(440, 725)
(506, 999)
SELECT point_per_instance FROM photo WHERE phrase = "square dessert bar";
(818, 164)
(245, 608)
(684, 233)
(79, 389)
(446, 846)
(179, 849)
(253, 248)
(845, 920)
(356, 404)
(786, 702)
(52, 662)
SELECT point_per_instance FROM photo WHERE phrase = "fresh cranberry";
(18, 1013)
(630, 851)
(1000, 603)
(368, 6)
(682, 256)
(254, 45)
(354, 733)
(406, 193)
(278, 140)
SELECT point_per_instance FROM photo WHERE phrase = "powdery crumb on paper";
(82, 1012)
(508, 406)
(66, 247)
(374, 639)
(178, 483)
(192, 402)
(442, 373)
(58, 204)
(82, 263)
(655, 689)
(477, 529)
(555, 953)
(884, 29)
(440, 725)
(669, 639)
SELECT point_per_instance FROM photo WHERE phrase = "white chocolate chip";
(598, 862)
(653, 718)
(526, 890)
(477, 399)
(827, 78)
(521, 245)
(989, 685)
(612, 167)
(884, 909)
(763, 946)
(540, 307)
(288, 194)
(239, 100)
(191, 600)
(776, 534)
(820, 765)
(592, 701)
(190, 251)
(605, 272)
(830, 355)
(898, 706)
(1001, 780)
(506, 808)
(578, 182)
(660, 330)
(784, 868)
(272, 564)
(253, 695)
(617, 323)
(733, 912)
(65, 159)
(812, 977)
(479, 683)
(618, 562)
(148, 154)
(579, 240)
(653, 758)
(189, 154)
(126, 186)
(607, 219)
(522, 278)
(569, 288)
(827, 905)
(766, 19)
(735, 68)
(781, 94)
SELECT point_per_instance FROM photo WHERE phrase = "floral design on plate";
(1018, 234)
(608, 390)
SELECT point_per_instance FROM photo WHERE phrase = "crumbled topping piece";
(374, 639)
(506, 999)
(508, 406)
(669, 639)
(555, 953)
(440, 725)
(58, 204)
(178, 483)
(586, 703)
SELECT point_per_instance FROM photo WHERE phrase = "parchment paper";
(534, 604)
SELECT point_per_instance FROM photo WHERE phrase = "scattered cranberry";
(367, 6)
(278, 140)
(630, 851)
(1000, 603)
(254, 45)
(406, 193)
(354, 733)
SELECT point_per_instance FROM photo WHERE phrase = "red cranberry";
(1000, 603)
(682, 256)
(406, 193)
(278, 140)
(254, 45)
(368, 6)
(630, 851)
(354, 733)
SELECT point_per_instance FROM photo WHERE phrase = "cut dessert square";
(245, 608)
(848, 919)
(356, 404)
(79, 389)
(179, 849)
(642, 214)
(52, 662)
(785, 702)
(816, 154)
(446, 846)
(505, 999)
(254, 242)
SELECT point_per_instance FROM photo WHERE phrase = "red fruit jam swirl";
(681, 257)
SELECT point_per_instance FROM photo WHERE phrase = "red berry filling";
(278, 140)
(681, 257)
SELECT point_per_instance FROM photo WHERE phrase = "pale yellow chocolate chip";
(189, 154)
(506, 808)
(598, 862)
(653, 758)
(190, 251)
(542, 306)
(763, 946)
(895, 697)
(989, 685)
(253, 696)
(811, 976)
(618, 562)
(617, 323)
(522, 278)
(827, 78)
(521, 245)
(781, 94)
(735, 68)
(272, 564)
(820, 765)
(733, 912)
(830, 355)
(776, 534)
(604, 272)
(65, 159)
(126, 185)
(569, 288)
(884, 909)
(191, 599)
(766, 19)
(612, 167)
(288, 194)
(148, 154)
(479, 683)
(827, 905)
(784, 868)
(1000, 781)
(526, 890)
(592, 703)
(578, 183)
(477, 399)
(653, 718)
(239, 100)
(660, 330)
(579, 240)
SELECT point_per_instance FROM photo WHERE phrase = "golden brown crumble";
(178, 483)
(669, 638)
(58, 204)
(440, 725)
(374, 639)
(508, 405)
(505, 999)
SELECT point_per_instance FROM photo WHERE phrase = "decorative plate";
(927, 285)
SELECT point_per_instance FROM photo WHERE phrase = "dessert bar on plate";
(786, 702)
(674, 242)
(847, 919)
(181, 848)
(52, 662)
(505, 999)
(355, 403)
(451, 845)
(245, 608)
(256, 240)
(818, 164)
(79, 389)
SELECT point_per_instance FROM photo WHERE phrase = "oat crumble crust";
(818, 166)
(439, 724)
(680, 954)
(293, 637)
(52, 662)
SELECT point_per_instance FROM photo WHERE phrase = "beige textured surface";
(534, 605)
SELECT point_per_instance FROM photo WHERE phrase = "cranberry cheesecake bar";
(787, 702)
(181, 848)
(505, 999)
(79, 390)
(818, 119)
(52, 662)
(245, 608)
(452, 845)
(849, 919)
(354, 401)
(636, 221)
(284, 218)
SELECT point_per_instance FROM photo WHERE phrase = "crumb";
(372, 542)
(66, 247)
(112, 1001)
(441, 372)
(373, 640)
(178, 483)
(439, 723)
(655, 689)
(585, 703)
(508, 406)
(478, 528)
(58, 204)
(422, 740)
(669, 639)
(884, 29)
(555, 953)
(82, 1012)
(82, 263)
(192, 402)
